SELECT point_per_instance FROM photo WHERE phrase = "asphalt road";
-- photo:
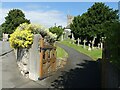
(79, 72)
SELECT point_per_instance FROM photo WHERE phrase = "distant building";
(69, 20)
(67, 30)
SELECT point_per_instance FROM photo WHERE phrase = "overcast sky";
(49, 13)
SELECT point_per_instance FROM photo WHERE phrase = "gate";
(47, 59)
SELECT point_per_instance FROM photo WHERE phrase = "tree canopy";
(92, 23)
(56, 30)
(14, 18)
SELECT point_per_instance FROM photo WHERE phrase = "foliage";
(21, 39)
(91, 23)
(56, 30)
(23, 35)
(50, 37)
(14, 18)
(39, 29)
(113, 43)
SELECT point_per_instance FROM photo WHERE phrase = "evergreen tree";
(91, 23)
(14, 18)
(57, 30)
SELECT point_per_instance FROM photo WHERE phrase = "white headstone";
(72, 38)
(62, 37)
(101, 45)
(78, 41)
(89, 48)
(84, 43)
(98, 45)
(93, 42)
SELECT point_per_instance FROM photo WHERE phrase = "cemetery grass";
(61, 53)
(94, 54)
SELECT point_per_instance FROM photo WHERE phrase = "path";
(80, 71)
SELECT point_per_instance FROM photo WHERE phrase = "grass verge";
(61, 52)
(94, 54)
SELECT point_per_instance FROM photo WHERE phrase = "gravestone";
(101, 45)
(84, 43)
(73, 38)
(78, 41)
(89, 48)
(34, 61)
(98, 45)
(62, 37)
(93, 42)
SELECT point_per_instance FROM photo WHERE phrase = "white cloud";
(34, 6)
(46, 18)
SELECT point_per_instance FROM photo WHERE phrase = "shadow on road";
(85, 75)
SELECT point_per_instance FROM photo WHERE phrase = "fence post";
(41, 57)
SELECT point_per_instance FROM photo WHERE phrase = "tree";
(91, 23)
(57, 30)
(14, 18)
(113, 43)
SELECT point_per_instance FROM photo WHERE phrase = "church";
(67, 30)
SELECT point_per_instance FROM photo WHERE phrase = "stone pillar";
(34, 61)
(5, 37)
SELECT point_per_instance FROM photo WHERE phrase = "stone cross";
(84, 43)
(78, 41)
(93, 42)
(34, 61)
(89, 48)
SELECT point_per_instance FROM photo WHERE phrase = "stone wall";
(28, 59)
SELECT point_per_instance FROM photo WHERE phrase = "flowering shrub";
(32, 27)
(37, 29)
(50, 38)
(23, 35)
(21, 39)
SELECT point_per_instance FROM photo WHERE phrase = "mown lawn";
(61, 53)
(94, 54)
